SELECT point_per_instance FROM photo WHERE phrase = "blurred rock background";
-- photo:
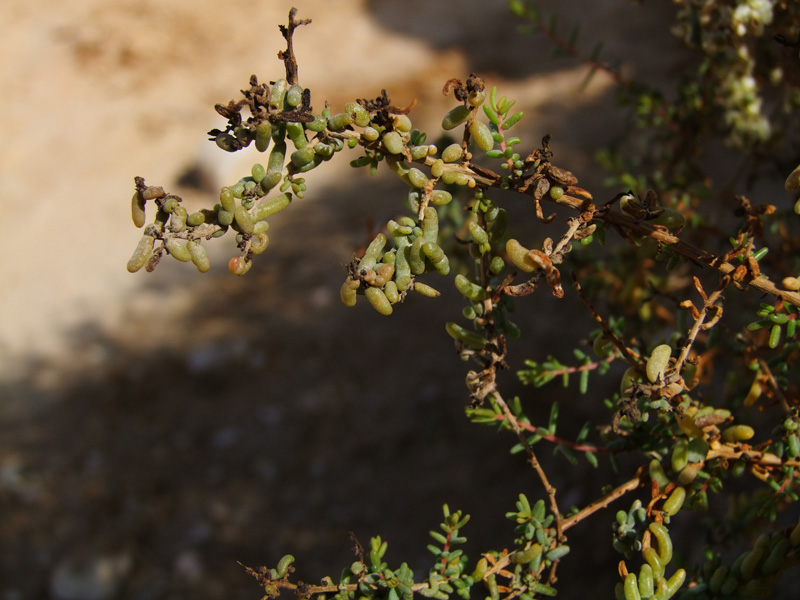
(157, 428)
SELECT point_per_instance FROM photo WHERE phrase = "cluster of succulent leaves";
(658, 298)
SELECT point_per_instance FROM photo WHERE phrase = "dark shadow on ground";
(496, 43)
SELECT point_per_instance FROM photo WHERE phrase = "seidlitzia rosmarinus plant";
(669, 295)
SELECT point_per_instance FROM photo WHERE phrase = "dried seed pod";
(482, 135)
(456, 117)
(199, 257)
(227, 142)
(520, 256)
(153, 192)
(377, 298)
(393, 142)
(143, 252)
(263, 136)
(658, 362)
(452, 153)
(137, 209)
(561, 176)
(244, 136)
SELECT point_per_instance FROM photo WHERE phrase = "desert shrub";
(682, 276)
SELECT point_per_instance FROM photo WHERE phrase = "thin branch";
(287, 56)
(515, 425)
(555, 439)
(633, 360)
(774, 384)
(603, 502)
(708, 304)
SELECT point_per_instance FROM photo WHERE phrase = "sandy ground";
(155, 429)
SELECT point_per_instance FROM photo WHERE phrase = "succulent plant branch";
(689, 442)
